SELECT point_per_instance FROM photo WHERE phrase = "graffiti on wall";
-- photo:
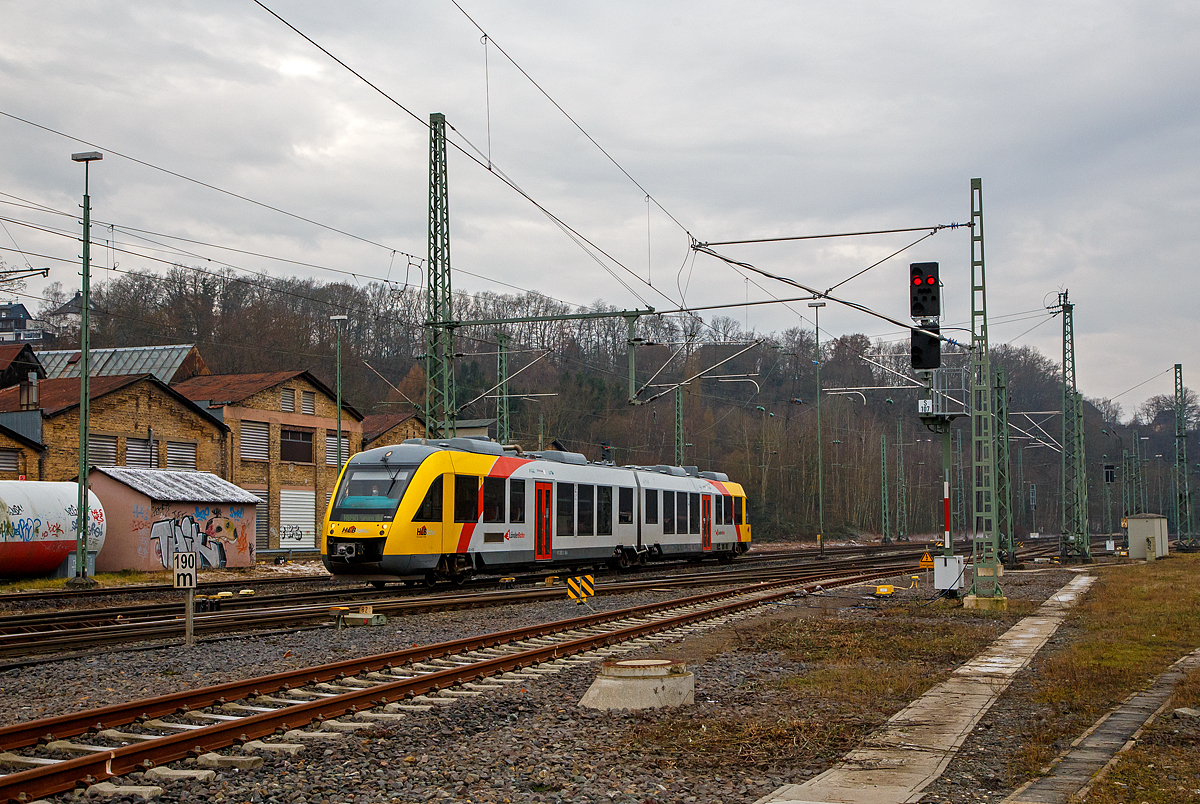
(214, 534)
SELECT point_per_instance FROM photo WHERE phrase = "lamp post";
(83, 509)
(820, 458)
(338, 319)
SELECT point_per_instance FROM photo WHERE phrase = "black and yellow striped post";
(581, 587)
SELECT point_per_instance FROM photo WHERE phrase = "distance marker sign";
(184, 566)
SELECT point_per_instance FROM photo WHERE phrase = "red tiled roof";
(227, 389)
(55, 396)
(379, 423)
(230, 389)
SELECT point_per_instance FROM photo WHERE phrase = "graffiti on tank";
(26, 529)
(14, 509)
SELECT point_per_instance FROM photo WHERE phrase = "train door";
(544, 513)
(706, 522)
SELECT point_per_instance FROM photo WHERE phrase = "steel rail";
(23, 643)
(66, 774)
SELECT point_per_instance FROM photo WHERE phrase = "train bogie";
(445, 510)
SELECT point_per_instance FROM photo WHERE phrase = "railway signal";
(926, 348)
(924, 290)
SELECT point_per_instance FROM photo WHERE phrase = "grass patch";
(1132, 625)
(854, 669)
(719, 742)
(889, 640)
(122, 578)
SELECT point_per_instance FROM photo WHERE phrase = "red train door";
(542, 530)
(706, 522)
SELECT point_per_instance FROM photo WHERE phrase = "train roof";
(415, 450)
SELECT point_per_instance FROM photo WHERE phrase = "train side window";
(565, 510)
(681, 512)
(730, 519)
(430, 509)
(466, 498)
(516, 501)
(718, 511)
(668, 512)
(694, 508)
(625, 506)
(604, 512)
(493, 499)
(586, 510)
(652, 507)
(737, 511)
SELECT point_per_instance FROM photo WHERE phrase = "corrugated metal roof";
(168, 486)
(229, 389)
(55, 396)
(161, 361)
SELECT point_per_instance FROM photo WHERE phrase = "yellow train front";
(444, 510)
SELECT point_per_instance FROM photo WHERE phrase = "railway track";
(116, 740)
(36, 637)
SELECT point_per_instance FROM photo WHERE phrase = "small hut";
(154, 513)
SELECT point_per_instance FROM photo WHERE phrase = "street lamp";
(83, 508)
(820, 459)
(338, 319)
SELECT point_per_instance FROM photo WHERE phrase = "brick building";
(283, 446)
(391, 428)
(136, 421)
(20, 456)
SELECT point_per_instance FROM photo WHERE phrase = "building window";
(516, 501)
(140, 453)
(254, 441)
(102, 450)
(331, 445)
(466, 498)
(295, 446)
(308, 402)
(288, 400)
(181, 455)
(10, 460)
(493, 499)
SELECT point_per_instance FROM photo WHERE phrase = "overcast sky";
(742, 120)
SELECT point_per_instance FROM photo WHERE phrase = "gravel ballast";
(528, 742)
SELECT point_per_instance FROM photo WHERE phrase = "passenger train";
(445, 510)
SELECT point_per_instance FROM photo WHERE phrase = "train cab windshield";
(371, 493)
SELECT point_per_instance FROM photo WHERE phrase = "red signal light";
(931, 280)
(916, 280)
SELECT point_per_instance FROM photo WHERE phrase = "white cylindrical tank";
(37, 526)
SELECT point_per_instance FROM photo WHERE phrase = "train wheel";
(430, 579)
(725, 558)
(642, 559)
(623, 560)
(460, 579)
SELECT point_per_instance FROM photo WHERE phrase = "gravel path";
(531, 743)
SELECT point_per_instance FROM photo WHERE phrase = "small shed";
(1147, 536)
(154, 513)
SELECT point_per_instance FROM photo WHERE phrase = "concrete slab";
(180, 774)
(108, 790)
(899, 761)
(342, 725)
(213, 760)
(290, 749)
(1092, 755)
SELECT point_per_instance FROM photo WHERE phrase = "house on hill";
(18, 326)
(283, 446)
(17, 362)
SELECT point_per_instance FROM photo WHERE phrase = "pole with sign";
(184, 568)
